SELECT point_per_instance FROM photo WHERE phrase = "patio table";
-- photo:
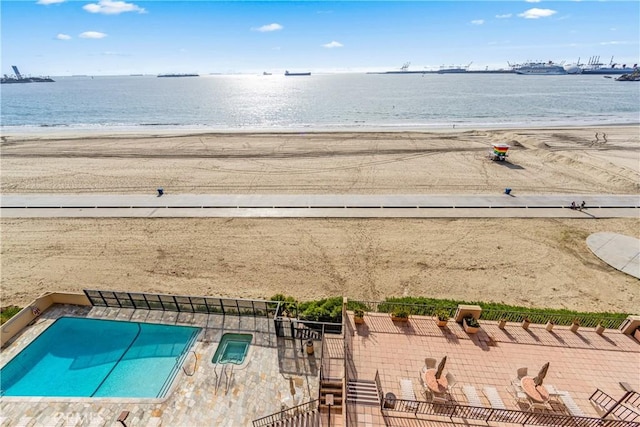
(536, 393)
(436, 385)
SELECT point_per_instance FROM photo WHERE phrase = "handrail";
(215, 372)
(228, 381)
(281, 416)
(195, 365)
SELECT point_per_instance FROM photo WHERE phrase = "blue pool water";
(79, 357)
(232, 348)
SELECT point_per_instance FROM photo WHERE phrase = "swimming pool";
(79, 357)
(233, 348)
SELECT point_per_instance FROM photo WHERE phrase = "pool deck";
(257, 389)
(580, 363)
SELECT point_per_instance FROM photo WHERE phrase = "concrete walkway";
(319, 206)
(619, 251)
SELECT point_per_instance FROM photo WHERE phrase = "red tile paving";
(580, 362)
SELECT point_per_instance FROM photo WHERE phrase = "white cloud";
(268, 28)
(63, 36)
(506, 15)
(532, 1)
(47, 2)
(92, 35)
(536, 13)
(332, 44)
(109, 7)
(477, 21)
(612, 43)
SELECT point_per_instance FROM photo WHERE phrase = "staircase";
(306, 419)
(331, 387)
(363, 392)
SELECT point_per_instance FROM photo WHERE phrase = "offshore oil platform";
(19, 78)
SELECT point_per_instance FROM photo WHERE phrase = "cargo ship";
(178, 75)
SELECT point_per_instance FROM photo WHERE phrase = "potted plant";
(525, 323)
(575, 325)
(502, 323)
(550, 325)
(358, 316)
(400, 314)
(600, 327)
(442, 317)
(470, 324)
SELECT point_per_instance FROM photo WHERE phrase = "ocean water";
(317, 102)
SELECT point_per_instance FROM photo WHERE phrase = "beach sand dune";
(530, 262)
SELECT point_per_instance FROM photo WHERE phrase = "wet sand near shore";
(530, 262)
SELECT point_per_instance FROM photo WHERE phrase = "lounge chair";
(472, 395)
(406, 387)
(570, 404)
(494, 397)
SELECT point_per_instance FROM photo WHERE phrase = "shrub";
(471, 322)
(8, 312)
(442, 314)
(400, 312)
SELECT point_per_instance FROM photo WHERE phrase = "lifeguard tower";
(499, 152)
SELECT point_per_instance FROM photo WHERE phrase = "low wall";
(34, 309)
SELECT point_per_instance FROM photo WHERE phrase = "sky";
(108, 37)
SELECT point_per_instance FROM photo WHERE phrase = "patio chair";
(439, 400)
(451, 381)
(430, 363)
(517, 394)
(533, 406)
(521, 373)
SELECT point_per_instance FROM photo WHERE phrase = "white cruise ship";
(539, 68)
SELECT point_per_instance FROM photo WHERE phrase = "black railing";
(183, 304)
(390, 307)
(625, 409)
(279, 418)
(557, 319)
(508, 416)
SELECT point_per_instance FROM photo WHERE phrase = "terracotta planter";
(574, 327)
(502, 323)
(549, 326)
(600, 329)
(399, 319)
(441, 323)
(358, 320)
(525, 324)
(470, 329)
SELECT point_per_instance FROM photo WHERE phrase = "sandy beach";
(530, 262)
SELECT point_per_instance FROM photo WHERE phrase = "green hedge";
(330, 310)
